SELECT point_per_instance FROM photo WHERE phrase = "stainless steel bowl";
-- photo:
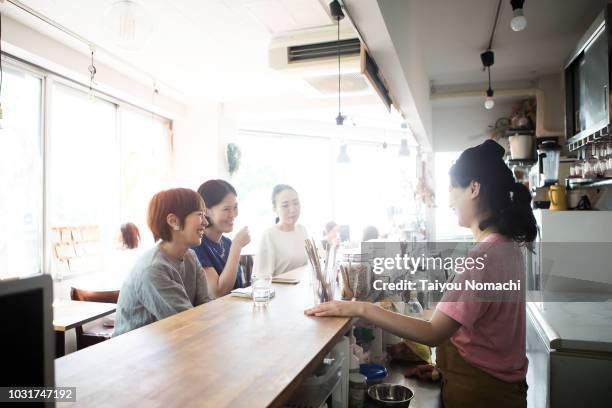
(390, 395)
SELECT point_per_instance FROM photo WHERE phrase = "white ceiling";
(454, 33)
(217, 50)
(205, 49)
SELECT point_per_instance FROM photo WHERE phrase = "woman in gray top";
(168, 278)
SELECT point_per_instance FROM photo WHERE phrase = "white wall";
(400, 18)
(456, 128)
(200, 138)
(42, 50)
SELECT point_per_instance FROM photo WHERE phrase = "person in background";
(130, 235)
(369, 232)
(166, 279)
(125, 254)
(218, 255)
(480, 341)
(282, 245)
(332, 235)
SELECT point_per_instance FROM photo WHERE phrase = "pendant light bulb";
(128, 24)
(489, 102)
(518, 22)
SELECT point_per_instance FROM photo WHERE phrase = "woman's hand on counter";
(338, 308)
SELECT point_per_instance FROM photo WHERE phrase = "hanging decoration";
(1, 112)
(92, 74)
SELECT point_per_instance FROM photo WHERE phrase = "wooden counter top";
(221, 354)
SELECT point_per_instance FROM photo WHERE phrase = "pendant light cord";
(338, 51)
(494, 24)
(1, 76)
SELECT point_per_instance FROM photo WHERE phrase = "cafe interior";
(354, 111)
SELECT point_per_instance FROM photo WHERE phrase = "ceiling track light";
(518, 22)
(335, 8)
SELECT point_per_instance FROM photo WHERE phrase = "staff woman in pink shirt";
(480, 341)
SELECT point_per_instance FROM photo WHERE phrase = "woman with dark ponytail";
(282, 245)
(480, 335)
(480, 175)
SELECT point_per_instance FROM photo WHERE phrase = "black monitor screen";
(22, 339)
(27, 338)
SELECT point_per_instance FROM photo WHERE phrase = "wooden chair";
(94, 332)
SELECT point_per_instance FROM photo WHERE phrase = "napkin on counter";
(248, 292)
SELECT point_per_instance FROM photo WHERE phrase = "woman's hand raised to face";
(242, 238)
(336, 308)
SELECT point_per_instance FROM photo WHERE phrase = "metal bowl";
(390, 395)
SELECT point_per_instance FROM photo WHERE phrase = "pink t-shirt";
(492, 332)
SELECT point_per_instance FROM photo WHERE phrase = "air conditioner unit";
(312, 56)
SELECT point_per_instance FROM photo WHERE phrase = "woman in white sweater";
(282, 245)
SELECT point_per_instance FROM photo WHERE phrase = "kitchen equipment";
(564, 340)
(549, 154)
(540, 198)
(558, 198)
(357, 390)
(587, 80)
(328, 383)
(521, 146)
(390, 395)
(577, 198)
(375, 373)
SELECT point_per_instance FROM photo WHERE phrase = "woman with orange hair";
(168, 278)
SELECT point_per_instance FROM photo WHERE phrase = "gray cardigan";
(158, 287)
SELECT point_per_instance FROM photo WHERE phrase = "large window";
(21, 163)
(106, 162)
(83, 163)
(146, 158)
(303, 163)
(96, 166)
(374, 188)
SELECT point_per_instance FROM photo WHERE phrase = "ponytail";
(507, 202)
(516, 220)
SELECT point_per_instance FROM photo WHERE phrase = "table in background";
(69, 314)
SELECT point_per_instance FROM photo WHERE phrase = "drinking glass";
(262, 286)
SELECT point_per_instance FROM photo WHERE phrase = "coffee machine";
(546, 172)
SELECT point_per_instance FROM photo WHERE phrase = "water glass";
(262, 287)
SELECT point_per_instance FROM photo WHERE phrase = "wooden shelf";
(602, 182)
(521, 162)
(512, 132)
